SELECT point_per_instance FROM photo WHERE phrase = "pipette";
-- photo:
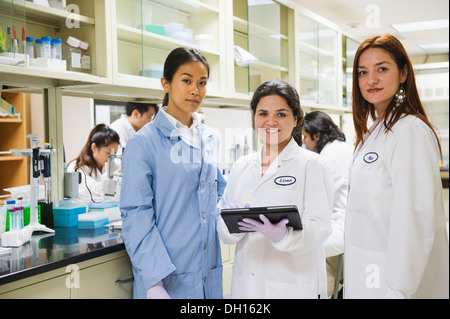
(46, 171)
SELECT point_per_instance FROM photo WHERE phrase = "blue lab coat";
(168, 203)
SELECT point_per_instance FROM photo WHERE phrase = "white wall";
(77, 122)
(233, 125)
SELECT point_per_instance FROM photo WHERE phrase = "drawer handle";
(125, 281)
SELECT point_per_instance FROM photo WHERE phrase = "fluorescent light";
(422, 25)
(434, 46)
(259, 2)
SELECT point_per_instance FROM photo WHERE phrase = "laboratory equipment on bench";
(71, 182)
(46, 172)
(110, 185)
(37, 155)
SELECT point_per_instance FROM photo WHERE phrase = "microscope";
(110, 185)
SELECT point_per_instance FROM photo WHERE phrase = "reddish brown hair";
(411, 105)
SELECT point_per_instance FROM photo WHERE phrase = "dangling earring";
(400, 96)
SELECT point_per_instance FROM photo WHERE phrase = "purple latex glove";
(275, 232)
(157, 292)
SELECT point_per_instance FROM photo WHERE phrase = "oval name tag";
(285, 180)
(370, 157)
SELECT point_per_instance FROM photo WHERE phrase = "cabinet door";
(103, 280)
(268, 42)
(147, 30)
(350, 47)
(318, 63)
(54, 288)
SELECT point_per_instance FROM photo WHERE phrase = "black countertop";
(46, 252)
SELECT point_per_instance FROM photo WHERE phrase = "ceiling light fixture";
(434, 46)
(422, 25)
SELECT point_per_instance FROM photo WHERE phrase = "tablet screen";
(275, 214)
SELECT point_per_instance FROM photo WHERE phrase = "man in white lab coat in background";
(137, 115)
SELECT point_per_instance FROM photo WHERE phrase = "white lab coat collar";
(286, 154)
(374, 130)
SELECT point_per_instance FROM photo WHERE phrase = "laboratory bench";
(72, 263)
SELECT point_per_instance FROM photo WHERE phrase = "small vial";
(56, 49)
(39, 48)
(11, 205)
(46, 47)
(19, 213)
(30, 47)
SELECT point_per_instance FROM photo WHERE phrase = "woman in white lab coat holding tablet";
(395, 237)
(273, 260)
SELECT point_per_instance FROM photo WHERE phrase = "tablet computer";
(232, 216)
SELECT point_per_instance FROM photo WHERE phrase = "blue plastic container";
(92, 220)
(67, 217)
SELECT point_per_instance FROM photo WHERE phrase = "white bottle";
(85, 57)
(72, 54)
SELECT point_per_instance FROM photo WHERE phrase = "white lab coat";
(295, 266)
(395, 237)
(125, 130)
(338, 156)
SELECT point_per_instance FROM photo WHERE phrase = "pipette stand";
(34, 184)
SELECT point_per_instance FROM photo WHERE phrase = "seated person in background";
(92, 159)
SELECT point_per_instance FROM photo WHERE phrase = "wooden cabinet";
(13, 169)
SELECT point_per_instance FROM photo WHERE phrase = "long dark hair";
(411, 105)
(320, 123)
(289, 93)
(102, 135)
(177, 58)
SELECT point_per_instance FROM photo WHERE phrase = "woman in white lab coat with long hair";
(275, 261)
(395, 237)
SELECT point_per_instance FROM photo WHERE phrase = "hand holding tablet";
(273, 214)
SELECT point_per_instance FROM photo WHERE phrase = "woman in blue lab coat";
(170, 190)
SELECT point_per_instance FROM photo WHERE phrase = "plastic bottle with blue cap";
(46, 47)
